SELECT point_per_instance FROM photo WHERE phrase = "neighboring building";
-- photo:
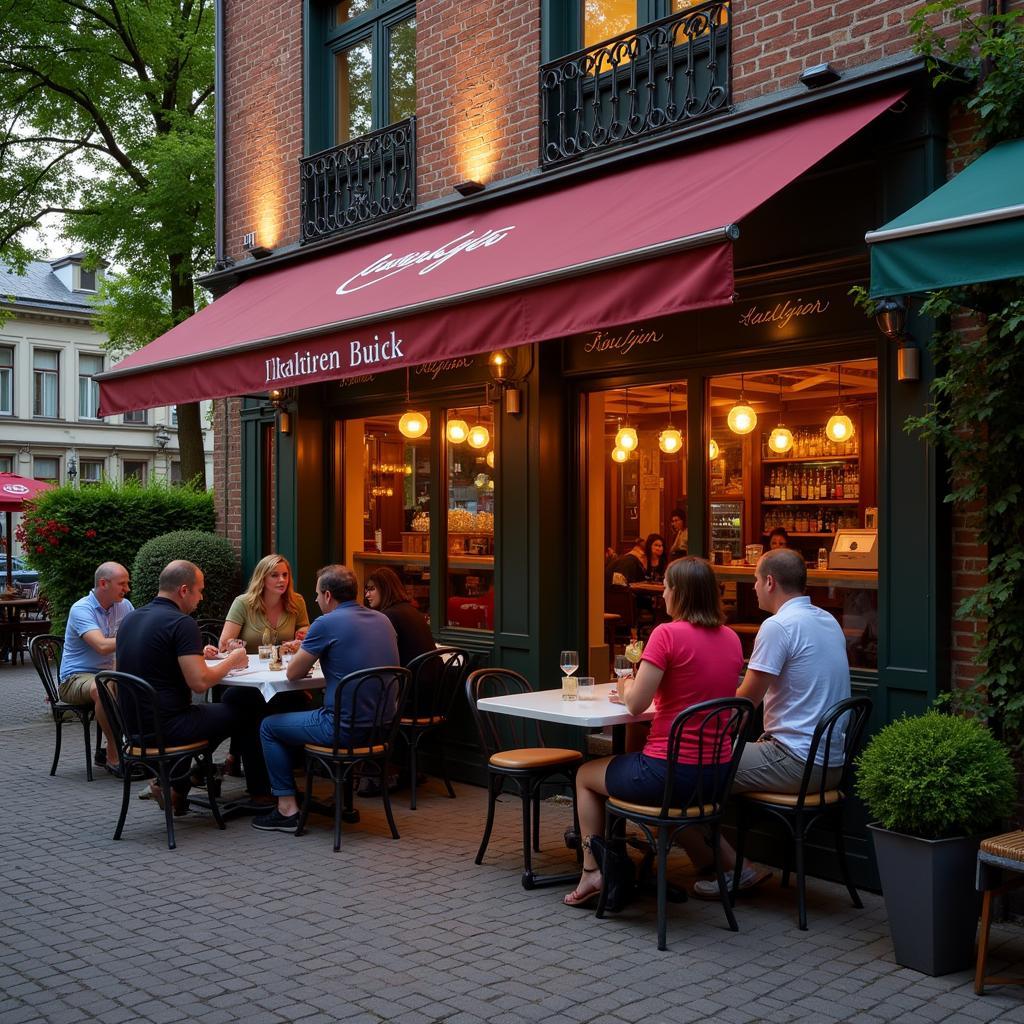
(49, 356)
(408, 189)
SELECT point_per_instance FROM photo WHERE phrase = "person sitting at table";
(269, 603)
(384, 592)
(89, 640)
(691, 659)
(680, 534)
(631, 566)
(346, 638)
(161, 643)
(654, 556)
(778, 538)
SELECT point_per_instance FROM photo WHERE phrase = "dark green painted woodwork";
(255, 415)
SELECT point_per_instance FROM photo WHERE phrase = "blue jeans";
(279, 732)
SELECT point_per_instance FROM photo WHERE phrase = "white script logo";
(389, 264)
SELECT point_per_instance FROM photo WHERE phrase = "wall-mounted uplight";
(818, 75)
(469, 187)
(252, 246)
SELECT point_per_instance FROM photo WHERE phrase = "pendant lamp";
(839, 427)
(626, 437)
(670, 440)
(713, 450)
(780, 440)
(479, 436)
(457, 431)
(412, 424)
(619, 454)
(741, 419)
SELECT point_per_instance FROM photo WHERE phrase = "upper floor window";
(45, 391)
(365, 77)
(135, 416)
(6, 463)
(88, 389)
(174, 415)
(6, 381)
(87, 280)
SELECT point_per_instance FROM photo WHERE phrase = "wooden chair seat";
(832, 796)
(655, 812)
(155, 751)
(996, 855)
(377, 748)
(1008, 846)
(530, 758)
(424, 720)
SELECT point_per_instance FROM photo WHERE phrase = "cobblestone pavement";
(247, 926)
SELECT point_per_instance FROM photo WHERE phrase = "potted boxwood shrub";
(936, 784)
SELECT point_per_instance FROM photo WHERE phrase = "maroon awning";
(645, 241)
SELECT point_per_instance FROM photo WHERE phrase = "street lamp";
(72, 467)
(163, 438)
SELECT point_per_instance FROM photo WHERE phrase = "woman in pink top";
(691, 659)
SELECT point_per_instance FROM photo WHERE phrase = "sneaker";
(275, 821)
(750, 878)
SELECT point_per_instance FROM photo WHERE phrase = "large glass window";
(88, 389)
(469, 472)
(46, 468)
(90, 471)
(6, 381)
(45, 392)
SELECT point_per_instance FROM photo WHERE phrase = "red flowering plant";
(66, 532)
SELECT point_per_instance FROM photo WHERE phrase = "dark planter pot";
(930, 897)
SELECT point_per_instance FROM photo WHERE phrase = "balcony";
(359, 182)
(658, 78)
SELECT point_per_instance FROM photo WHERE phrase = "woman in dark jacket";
(384, 592)
(655, 557)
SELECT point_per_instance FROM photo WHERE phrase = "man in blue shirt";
(346, 638)
(89, 641)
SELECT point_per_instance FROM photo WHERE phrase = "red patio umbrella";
(14, 492)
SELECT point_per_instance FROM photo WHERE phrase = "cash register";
(854, 549)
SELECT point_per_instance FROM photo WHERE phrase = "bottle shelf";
(793, 533)
(782, 460)
(812, 501)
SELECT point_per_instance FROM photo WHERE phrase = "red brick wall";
(263, 121)
(227, 470)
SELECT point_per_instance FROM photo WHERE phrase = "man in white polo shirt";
(799, 668)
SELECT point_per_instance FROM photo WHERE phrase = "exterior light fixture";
(741, 419)
(469, 187)
(502, 367)
(713, 450)
(412, 424)
(253, 248)
(278, 397)
(626, 437)
(818, 75)
(162, 438)
(620, 455)
(457, 431)
(839, 427)
(670, 440)
(891, 317)
(780, 440)
(72, 467)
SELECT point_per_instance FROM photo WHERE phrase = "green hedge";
(211, 552)
(68, 531)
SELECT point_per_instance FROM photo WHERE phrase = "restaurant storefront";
(490, 484)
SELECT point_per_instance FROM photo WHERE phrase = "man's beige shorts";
(75, 689)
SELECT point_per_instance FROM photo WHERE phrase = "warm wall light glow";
(490, 458)
(670, 441)
(781, 440)
(839, 428)
(413, 424)
(713, 450)
(626, 438)
(619, 454)
(457, 431)
(742, 419)
(479, 437)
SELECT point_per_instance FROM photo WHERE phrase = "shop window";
(45, 390)
(6, 381)
(45, 468)
(90, 471)
(135, 469)
(88, 389)
(469, 475)
(792, 462)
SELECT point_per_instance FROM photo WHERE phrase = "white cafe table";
(259, 677)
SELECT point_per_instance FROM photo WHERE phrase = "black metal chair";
(720, 729)
(801, 811)
(375, 694)
(210, 630)
(130, 705)
(515, 752)
(436, 677)
(45, 651)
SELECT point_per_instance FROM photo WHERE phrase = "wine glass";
(623, 667)
(569, 661)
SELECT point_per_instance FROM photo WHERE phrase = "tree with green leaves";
(107, 121)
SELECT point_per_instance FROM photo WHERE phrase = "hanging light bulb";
(780, 440)
(620, 454)
(839, 427)
(670, 440)
(741, 419)
(490, 485)
(457, 431)
(479, 436)
(412, 424)
(713, 450)
(626, 437)
(490, 458)
(480, 480)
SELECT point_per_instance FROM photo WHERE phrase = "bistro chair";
(210, 630)
(516, 753)
(801, 811)
(366, 716)
(721, 732)
(621, 602)
(130, 705)
(436, 676)
(45, 651)
(997, 856)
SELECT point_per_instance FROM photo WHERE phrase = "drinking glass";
(585, 688)
(570, 661)
(623, 667)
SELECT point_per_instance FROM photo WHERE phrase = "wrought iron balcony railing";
(653, 79)
(365, 180)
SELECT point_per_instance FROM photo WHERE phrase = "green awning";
(969, 231)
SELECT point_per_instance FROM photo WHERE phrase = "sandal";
(578, 899)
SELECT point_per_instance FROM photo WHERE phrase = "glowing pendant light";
(670, 440)
(457, 431)
(741, 419)
(780, 440)
(490, 458)
(626, 437)
(412, 424)
(479, 436)
(713, 450)
(620, 454)
(839, 427)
